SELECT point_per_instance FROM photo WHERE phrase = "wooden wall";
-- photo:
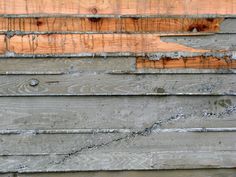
(118, 87)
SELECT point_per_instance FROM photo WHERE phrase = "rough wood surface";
(106, 84)
(120, 161)
(93, 43)
(2, 44)
(217, 42)
(35, 113)
(199, 62)
(110, 25)
(145, 141)
(118, 7)
(172, 173)
(111, 65)
(32, 66)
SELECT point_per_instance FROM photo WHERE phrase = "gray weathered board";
(106, 84)
(173, 173)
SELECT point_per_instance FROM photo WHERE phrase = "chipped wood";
(93, 43)
(200, 62)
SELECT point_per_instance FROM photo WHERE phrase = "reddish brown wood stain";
(119, 7)
(111, 24)
(199, 62)
(2, 44)
(93, 43)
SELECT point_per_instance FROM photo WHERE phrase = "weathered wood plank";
(106, 84)
(120, 161)
(65, 65)
(111, 65)
(200, 62)
(34, 113)
(228, 26)
(2, 44)
(170, 173)
(146, 141)
(110, 25)
(93, 43)
(118, 7)
(218, 42)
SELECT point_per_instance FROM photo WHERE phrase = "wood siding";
(117, 88)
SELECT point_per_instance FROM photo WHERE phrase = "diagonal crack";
(144, 132)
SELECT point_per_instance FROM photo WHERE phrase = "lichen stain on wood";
(113, 25)
(199, 62)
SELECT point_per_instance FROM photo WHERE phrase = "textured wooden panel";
(65, 65)
(173, 173)
(110, 24)
(118, 7)
(93, 43)
(150, 141)
(199, 62)
(69, 113)
(2, 44)
(217, 42)
(119, 161)
(106, 84)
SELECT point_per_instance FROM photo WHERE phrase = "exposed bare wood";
(92, 43)
(199, 62)
(118, 7)
(166, 25)
(2, 44)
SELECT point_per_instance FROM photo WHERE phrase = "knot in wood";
(34, 82)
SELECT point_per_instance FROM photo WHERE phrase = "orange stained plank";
(119, 7)
(110, 24)
(92, 43)
(2, 44)
(199, 62)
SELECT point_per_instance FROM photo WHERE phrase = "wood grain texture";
(217, 42)
(63, 144)
(93, 43)
(159, 173)
(111, 25)
(32, 66)
(106, 84)
(111, 65)
(2, 44)
(118, 7)
(120, 161)
(35, 113)
(200, 62)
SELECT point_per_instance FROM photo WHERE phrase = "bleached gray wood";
(147, 140)
(159, 173)
(64, 65)
(120, 161)
(217, 42)
(228, 26)
(30, 113)
(107, 84)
